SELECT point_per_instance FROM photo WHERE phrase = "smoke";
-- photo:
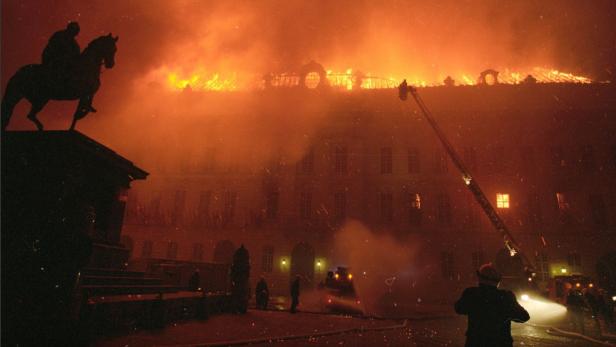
(382, 266)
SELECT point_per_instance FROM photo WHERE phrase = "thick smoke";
(382, 266)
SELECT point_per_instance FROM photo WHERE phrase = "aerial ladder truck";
(510, 243)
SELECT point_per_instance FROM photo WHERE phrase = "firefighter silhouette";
(490, 311)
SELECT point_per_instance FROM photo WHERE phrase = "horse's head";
(104, 49)
(109, 50)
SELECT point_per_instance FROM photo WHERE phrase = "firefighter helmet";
(488, 274)
(73, 28)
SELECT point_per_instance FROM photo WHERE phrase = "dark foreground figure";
(262, 294)
(294, 294)
(490, 311)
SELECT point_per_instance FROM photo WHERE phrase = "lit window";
(502, 200)
(415, 213)
(563, 204)
(416, 201)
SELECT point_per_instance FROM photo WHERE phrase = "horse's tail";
(12, 95)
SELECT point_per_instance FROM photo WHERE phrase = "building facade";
(544, 154)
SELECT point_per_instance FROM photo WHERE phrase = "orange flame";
(202, 80)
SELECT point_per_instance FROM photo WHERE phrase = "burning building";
(544, 154)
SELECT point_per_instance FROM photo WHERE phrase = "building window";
(440, 162)
(528, 157)
(172, 250)
(443, 213)
(387, 208)
(588, 158)
(563, 208)
(558, 157)
(306, 165)
(413, 161)
(598, 210)
(154, 214)
(447, 265)
(146, 251)
(340, 202)
(574, 260)
(203, 214)
(502, 200)
(267, 260)
(386, 160)
(305, 205)
(197, 252)
(131, 213)
(272, 203)
(499, 160)
(543, 270)
(415, 212)
(340, 159)
(477, 259)
(470, 158)
(178, 207)
(534, 216)
(229, 208)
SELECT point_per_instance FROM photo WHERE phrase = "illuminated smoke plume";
(379, 263)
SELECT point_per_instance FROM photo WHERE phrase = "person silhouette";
(61, 54)
(62, 49)
(194, 283)
(295, 294)
(575, 309)
(490, 311)
(262, 294)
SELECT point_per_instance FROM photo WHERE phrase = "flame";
(202, 80)
(199, 79)
(541, 74)
(349, 80)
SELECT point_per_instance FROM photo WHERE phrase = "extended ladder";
(471, 183)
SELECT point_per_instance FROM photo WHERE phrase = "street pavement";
(266, 328)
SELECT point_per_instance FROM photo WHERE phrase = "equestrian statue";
(66, 73)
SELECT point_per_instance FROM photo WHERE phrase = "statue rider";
(61, 53)
(62, 50)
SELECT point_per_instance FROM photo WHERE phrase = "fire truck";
(558, 287)
(337, 292)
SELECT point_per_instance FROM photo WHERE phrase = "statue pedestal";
(63, 200)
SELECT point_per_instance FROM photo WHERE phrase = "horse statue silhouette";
(38, 84)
